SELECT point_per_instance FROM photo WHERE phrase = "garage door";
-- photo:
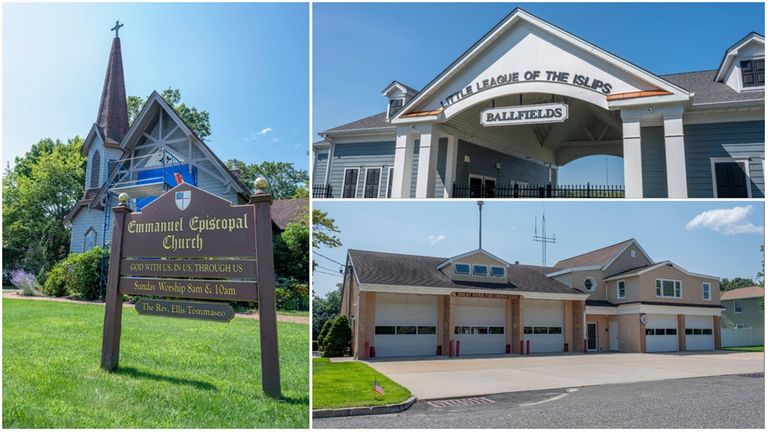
(543, 325)
(480, 325)
(699, 334)
(406, 325)
(661, 333)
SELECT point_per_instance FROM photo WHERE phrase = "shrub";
(83, 270)
(56, 281)
(291, 295)
(339, 338)
(25, 282)
(324, 332)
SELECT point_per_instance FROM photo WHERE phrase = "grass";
(174, 373)
(350, 384)
(757, 348)
(294, 313)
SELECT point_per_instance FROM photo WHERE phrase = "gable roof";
(743, 293)
(376, 121)
(458, 258)
(404, 88)
(287, 211)
(645, 269)
(519, 14)
(707, 90)
(599, 257)
(733, 51)
(421, 271)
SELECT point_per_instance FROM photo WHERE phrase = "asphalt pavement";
(733, 401)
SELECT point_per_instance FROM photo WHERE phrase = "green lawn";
(350, 384)
(174, 373)
(758, 348)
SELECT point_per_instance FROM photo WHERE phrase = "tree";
(38, 193)
(325, 309)
(284, 180)
(737, 282)
(339, 338)
(323, 230)
(291, 250)
(324, 332)
(198, 121)
(761, 273)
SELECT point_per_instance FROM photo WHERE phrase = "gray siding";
(360, 156)
(415, 168)
(318, 170)
(442, 157)
(483, 162)
(736, 140)
(654, 162)
(89, 218)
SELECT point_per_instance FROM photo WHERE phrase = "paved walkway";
(445, 378)
(255, 315)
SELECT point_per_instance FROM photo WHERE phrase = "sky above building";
(721, 239)
(246, 64)
(359, 49)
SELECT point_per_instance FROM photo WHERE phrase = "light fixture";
(498, 166)
(466, 159)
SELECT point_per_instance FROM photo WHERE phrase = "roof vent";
(235, 172)
(517, 262)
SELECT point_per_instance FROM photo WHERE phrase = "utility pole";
(543, 239)
(480, 232)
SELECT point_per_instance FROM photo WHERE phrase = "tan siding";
(603, 342)
(625, 261)
(632, 288)
(691, 286)
(631, 333)
(578, 278)
(476, 258)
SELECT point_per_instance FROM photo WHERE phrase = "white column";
(401, 184)
(425, 176)
(450, 166)
(674, 146)
(633, 158)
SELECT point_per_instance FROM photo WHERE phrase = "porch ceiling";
(589, 130)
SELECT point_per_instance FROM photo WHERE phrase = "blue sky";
(724, 242)
(360, 48)
(246, 64)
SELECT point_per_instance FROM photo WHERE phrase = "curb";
(359, 411)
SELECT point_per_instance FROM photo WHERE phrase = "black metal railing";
(322, 191)
(538, 191)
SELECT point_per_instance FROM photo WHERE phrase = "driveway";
(447, 378)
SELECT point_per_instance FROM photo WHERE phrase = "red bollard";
(439, 350)
(458, 345)
(565, 347)
(373, 352)
(508, 349)
(522, 348)
(528, 347)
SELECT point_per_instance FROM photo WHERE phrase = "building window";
(480, 270)
(95, 170)
(633, 253)
(394, 106)
(481, 186)
(390, 176)
(426, 329)
(739, 326)
(90, 240)
(753, 73)
(589, 284)
(350, 183)
(372, 179)
(737, 306)
(542, 330)
(621, 290)
(730, 178)
(669, 288)
(462, 269)
(385, 330)
(706, 291)
(497, 271)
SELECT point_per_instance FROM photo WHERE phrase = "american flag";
(377, 387)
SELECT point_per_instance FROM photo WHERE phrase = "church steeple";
(113, 109)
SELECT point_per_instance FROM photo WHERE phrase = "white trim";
(601, 310)
(487, 270)
(748, 178)
(655, 266)
(594, 284)
(636, 308)
(365, 182)
(740, 302)
(573, 269)
(709, 291)
(622, 281)
(597, 335)
(469, 271)
(624, 249)
(674, 288)
(409, 289)
(344, 179)
(390, 181)
(754, 88)
(472, 252)
(481, 178)
(733, 51)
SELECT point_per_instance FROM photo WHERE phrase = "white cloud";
(264, 131)
(274, 140)
(435, 239)
(725, 221)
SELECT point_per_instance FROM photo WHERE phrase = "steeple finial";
(117, 27)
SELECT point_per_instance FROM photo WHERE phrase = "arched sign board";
(191, 244)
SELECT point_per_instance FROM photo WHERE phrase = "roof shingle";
(743, 293)
(597, 257)
(707, 90)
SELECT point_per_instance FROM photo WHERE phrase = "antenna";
(543, 239)
(480, 233)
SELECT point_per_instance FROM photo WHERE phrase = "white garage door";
(480, 325)
(543, 325)
(699, 334)
(406, 325)
(661, 333)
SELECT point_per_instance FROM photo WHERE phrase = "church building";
(528, 98)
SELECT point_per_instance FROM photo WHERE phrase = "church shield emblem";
(183, 198)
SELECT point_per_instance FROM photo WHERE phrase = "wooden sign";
(189, 243)
(483, 295)
(185, 309)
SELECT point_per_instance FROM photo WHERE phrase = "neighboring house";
(144, 161)
(529, 98)
(743, 318)
(612, 299)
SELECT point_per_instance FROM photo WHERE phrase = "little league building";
(530, 97)
(611, 299)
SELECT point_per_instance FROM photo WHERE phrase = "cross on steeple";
(116, 28)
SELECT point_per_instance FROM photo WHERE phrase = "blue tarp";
(167, 174)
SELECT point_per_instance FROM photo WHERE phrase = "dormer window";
(480, 270)
(394, 106)
(462, 269)
(753, 73)
(497, 271)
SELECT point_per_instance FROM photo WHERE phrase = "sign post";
(190, 244)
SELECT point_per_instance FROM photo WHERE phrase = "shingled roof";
(112, 118)
(599, 257)
(371, 122)
(287, 211)
(415, 270)
(743, 293)
(707, 90)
